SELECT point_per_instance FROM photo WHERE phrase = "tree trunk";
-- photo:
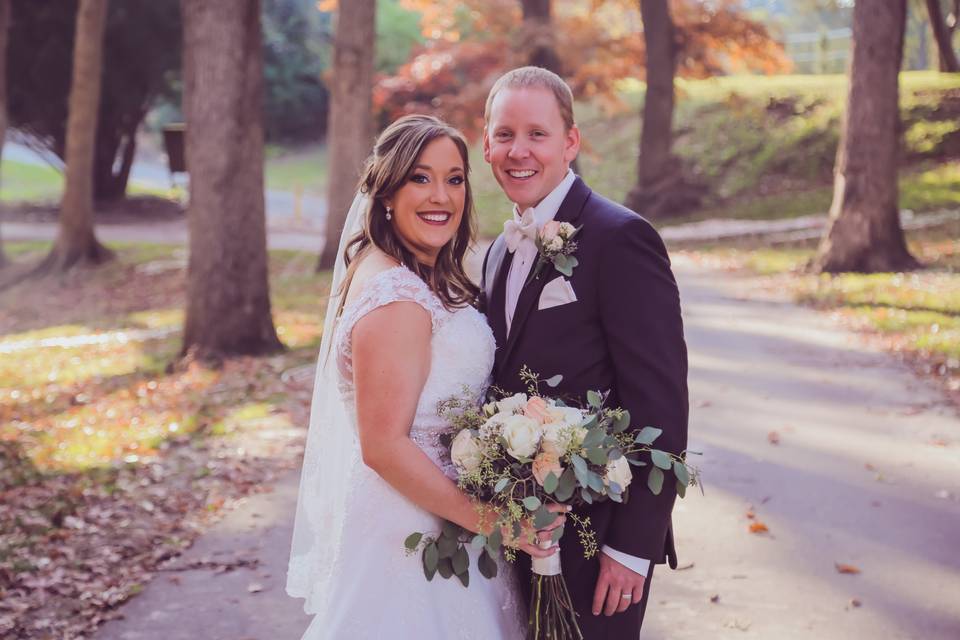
(4, 38)
(944, 37)
(350, 127)
(76, 243)
(661, 190)
(228, 297)
(538, 36)
(864, 233)
(117, 144)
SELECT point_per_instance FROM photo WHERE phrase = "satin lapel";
(569, 212)
(495, 279)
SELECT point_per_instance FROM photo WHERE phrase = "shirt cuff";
(635, 564)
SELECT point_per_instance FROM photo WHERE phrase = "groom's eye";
(503, 135)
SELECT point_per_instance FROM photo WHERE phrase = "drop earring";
(389, 213)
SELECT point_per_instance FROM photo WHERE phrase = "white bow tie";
(515, 232)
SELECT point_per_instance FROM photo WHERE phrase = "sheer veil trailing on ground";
(331, 449)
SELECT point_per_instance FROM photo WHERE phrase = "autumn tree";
(350, 128)
(863, 233)
(943, 33)
(228, 298)
(76, 243)
(538, 37)
(4, 31)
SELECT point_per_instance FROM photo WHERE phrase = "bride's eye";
(419, 178)
(456, 180)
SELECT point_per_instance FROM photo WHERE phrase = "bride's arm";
(391, 361)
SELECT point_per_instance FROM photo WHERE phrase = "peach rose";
(536, 409)
(549, 231)
(545, 462)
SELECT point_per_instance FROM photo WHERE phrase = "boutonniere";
(555, 245)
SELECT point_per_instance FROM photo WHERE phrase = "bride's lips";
(435, 218)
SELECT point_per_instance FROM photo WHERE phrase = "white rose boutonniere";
(556, 245)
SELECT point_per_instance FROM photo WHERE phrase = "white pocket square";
(557, 292)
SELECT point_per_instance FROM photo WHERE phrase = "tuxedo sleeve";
(640, 314)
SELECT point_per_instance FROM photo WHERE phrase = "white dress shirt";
(523, 260)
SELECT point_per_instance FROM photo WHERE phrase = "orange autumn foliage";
(599, 42)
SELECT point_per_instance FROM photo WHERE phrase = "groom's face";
(527, 144)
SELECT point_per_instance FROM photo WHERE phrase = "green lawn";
(20, 181)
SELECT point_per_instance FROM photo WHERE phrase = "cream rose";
(465, 452)
(619, 471)
(566, 229)
(555, 245)
(513, 403)
(549, 231)
(556, 436)
(522, 436)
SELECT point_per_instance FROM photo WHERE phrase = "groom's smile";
(527, 144)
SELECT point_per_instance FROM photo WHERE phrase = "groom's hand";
(614, 582)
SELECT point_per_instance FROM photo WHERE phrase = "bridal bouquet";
(519, 453)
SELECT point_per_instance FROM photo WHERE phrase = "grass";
(111, 395)
(303, 168)
(21, 181)
(916, 313)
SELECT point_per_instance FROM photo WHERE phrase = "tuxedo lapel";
(495, 281)
(569, 212)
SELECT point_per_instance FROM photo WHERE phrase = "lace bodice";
(462, 350)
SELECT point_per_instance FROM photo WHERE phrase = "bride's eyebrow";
(427, 167)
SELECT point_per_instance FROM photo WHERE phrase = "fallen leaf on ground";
(255, 587)
(846, 568)
(773, 437)
(758, 527)
(855, 603)
(715, 598)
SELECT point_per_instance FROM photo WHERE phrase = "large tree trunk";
(228, 298)
(661, 190)
(76, 243)
(944, 37)
(4, 38)
(350, 127)
(864, 232)
(538, 36)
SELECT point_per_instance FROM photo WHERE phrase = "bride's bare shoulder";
(369, 265)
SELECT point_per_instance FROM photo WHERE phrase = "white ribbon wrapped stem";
(549, 566)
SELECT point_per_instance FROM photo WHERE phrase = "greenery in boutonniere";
(555, 245)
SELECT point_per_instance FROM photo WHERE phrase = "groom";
(614, 324)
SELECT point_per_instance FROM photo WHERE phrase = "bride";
(401, 334)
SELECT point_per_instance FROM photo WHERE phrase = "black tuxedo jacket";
(624, 334)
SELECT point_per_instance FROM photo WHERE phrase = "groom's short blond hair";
(534, 77)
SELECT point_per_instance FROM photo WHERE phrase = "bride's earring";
(389, 213)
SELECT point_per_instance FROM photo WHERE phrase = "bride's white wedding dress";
(375, 589)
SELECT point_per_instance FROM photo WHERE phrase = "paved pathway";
(864, 472)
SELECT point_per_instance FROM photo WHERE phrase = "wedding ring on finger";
(626, 596)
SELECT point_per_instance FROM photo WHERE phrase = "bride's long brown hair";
(394, 156)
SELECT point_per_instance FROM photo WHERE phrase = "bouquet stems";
(552, 616)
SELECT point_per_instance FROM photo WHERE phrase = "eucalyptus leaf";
(464, 578)
(579, 463)
(594, 399)
(430, 559)
(615, 488)
(479, 542)
(412, 541)
(635, 462)
(550, 482)
(566, 268)
(543, 518)
(615, 497)
(556, 534)
(446, 545)
(681, 489)
(532, 503)
(460, 560)
(451, 530)
(590, 422)
(597, 455)
(594, 438)
(661, 459)
(445, 568)
(572, 260)
(680, 470)
(501, 485)
(655, 480)
(566, 486)
(614, 454)
(595, 482)
(622, 423)
(494, 540)
(553, 381)
(647, 435)
(487, 565)
(587, 497)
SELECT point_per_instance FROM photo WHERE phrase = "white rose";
(522, 435)
(556, 244)
(465, 452)
(570, 416)
(566, 229)
(555, 433)
(489, 409)
(619, 471)
(494, 424)
(513, 403)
